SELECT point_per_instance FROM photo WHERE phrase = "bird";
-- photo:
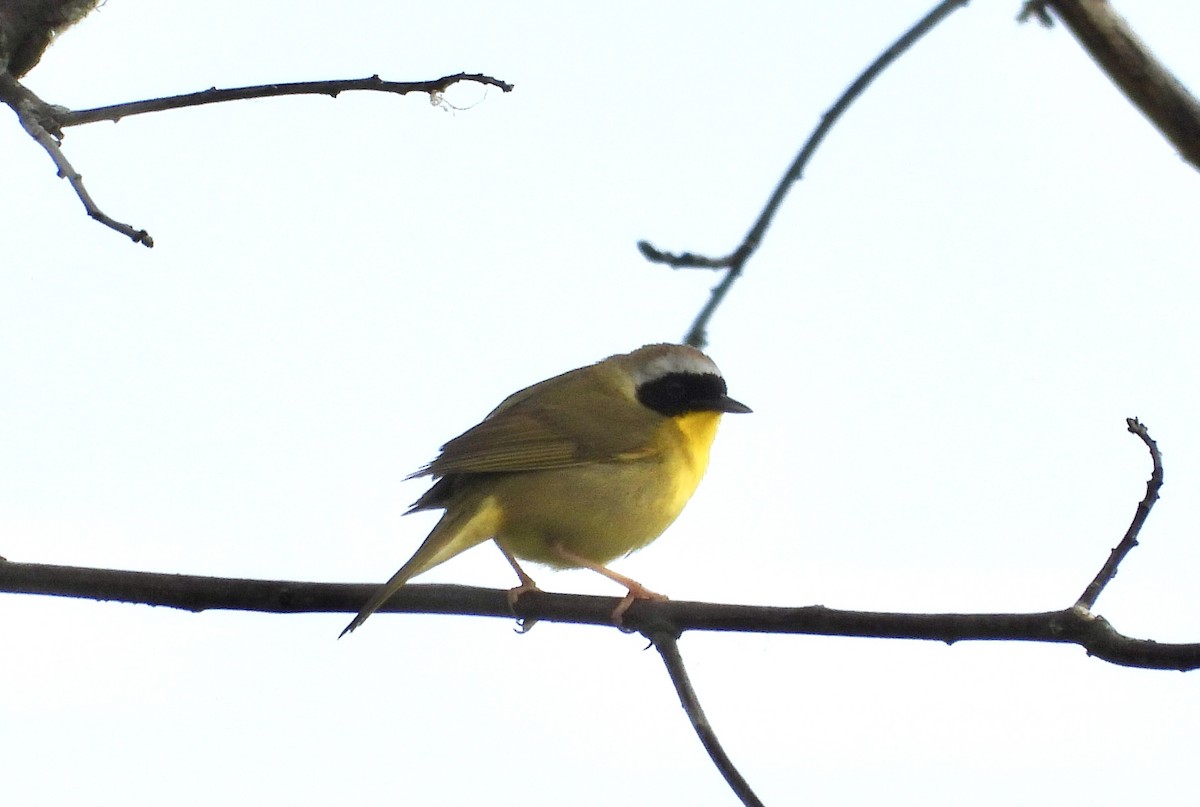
(575, 471)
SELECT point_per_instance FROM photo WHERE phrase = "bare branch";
(666, 642)
(45, 123)
(42, 122)
(682, 260)
(1119, 52)
(332, 88)
(1087, 600)
(735, 262)
(193, 593)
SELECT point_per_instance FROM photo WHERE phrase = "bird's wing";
(572, 419)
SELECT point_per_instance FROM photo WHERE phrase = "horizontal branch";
(332, 88)
(193, 593)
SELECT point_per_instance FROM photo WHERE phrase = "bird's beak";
(727, 404)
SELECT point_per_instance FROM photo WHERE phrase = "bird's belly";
(600, 511)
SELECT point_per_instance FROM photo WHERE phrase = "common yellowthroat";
(577, 470)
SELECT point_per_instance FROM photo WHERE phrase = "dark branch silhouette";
(663, 622)
(1075, 625)
(45, 122)
(1087, 600)
(1126, 60)
(41, 121)
(193, 593)
(666, 642)
(735, 262)
(1104, 34)
(333, 88)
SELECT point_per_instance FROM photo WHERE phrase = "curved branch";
(1087, 600)
(735, 261)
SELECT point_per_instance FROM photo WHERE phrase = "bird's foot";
(515, 594)
(524, 623)
(636, 592)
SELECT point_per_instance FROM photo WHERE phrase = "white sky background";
(989, 265)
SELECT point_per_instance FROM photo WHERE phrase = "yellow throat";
(698, 430)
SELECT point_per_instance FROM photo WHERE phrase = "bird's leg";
(636, 590)
(527, 583)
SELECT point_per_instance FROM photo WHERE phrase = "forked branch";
(661, 622)
(41, 122)
(735, 262)
(45, 122)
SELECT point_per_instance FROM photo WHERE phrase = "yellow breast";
(605, 510)
(696, 433)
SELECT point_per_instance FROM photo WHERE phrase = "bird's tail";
(460, 529)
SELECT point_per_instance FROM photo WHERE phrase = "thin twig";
(41, 121)
(195, 593)
(666, 642)
(332, 88)
(682, 260)
(735, 262)
(1087, 600)
(1035, 10)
